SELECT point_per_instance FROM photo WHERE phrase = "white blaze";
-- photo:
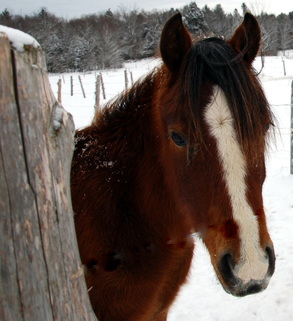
(253, 263)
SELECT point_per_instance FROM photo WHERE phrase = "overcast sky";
(76, 8)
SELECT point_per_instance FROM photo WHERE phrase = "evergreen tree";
(6, 18)
(194, 19)
(244, 8)
(5, 14)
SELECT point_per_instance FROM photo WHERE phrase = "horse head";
(215, 117)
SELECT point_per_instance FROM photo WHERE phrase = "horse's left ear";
(246, 38)
(175, 42)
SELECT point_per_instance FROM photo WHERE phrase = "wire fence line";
(109, 87)
(86, 86)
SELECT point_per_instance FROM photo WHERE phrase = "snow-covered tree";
(194, 19)
(285, 32)
(109, 54)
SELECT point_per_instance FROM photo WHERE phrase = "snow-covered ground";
(203, 298)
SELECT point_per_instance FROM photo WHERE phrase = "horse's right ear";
(246, 38)
(175, 42)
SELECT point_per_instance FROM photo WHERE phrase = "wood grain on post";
(41, 274)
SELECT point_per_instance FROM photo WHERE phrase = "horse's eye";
(268, 126)
(178, 139)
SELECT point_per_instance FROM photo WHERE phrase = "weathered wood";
(41, 274)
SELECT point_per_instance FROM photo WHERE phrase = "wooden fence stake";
(126, 79)
(131, 78)
(71, 85)
(98, 86)
(103, 86)
(81, 86)
(59, 91)
(284, 66)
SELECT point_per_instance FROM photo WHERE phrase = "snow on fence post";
(98, 86)
(291, 155)
(59, 91)
(41, 274)
(81, 85)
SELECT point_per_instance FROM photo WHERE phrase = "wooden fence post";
(126, 79)
(71, 85)
(59, 91)
(284, 66)
(103, 85)
(98, 86)
(291, 155)
(41, 274)
(81, 86)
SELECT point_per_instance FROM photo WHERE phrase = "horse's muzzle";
(234, 285)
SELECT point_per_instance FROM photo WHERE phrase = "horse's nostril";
(240, 279)
(271, 256)
(226, 266)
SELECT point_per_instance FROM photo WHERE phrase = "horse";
(181, 152)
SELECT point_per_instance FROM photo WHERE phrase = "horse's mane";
(125, 105)
(212, 60)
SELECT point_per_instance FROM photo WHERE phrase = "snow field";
(203, 298)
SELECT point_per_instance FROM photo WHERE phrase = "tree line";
(107, 39)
